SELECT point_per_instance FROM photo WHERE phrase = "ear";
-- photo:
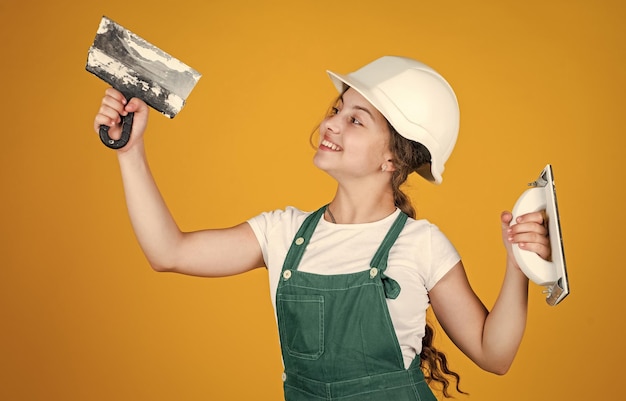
(388, 166)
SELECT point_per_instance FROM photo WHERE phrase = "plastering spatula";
(551, 274)
(139, 69)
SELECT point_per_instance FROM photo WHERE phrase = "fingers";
(505, 218)
(530, 232)
(113, 107)
(136, 106)
(534, 217)
(535, 222)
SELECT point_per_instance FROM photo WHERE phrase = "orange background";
(84, 318)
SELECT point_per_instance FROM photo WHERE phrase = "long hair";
(408, 156)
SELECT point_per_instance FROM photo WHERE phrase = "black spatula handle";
(127, 125)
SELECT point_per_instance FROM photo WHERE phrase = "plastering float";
(553, 273)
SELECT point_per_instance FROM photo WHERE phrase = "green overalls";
(336, 334)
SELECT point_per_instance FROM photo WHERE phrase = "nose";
(331, 124)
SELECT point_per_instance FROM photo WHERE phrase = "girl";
(351, 282)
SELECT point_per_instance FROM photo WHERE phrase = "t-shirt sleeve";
(444, 256)
(261, 226)
(275, 229)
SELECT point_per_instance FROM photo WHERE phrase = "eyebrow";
(357, 107)
(365, 110)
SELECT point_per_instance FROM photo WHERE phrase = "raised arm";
(216, 252)
(491, 338)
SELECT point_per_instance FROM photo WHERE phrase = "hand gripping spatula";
(551, 274)
(138, 69)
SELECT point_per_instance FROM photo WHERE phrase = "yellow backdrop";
(84, 318)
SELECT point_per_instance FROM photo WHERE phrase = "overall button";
(299, 241)
(373, 272)
(287, 274)
(284, 377)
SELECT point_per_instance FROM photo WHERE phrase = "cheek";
(367, 153)
(375, 147)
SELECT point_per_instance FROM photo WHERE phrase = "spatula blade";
(137, 68)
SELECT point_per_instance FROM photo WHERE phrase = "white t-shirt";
(419, 258)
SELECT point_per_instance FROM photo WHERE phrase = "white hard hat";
(417, 101)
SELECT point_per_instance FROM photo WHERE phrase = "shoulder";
(279, 216)
(428, 249)
(424, 230)
(428, 237)
(288, 219)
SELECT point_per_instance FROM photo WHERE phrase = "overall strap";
(379, 261)
(301, 239)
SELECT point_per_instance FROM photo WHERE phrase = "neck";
(360, 206)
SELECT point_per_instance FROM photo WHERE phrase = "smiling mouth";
(328, 144)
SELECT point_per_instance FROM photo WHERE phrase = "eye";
(334, 111)
(355, 121)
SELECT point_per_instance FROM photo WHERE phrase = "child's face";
(354, 138)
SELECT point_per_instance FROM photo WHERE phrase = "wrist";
(132, 156)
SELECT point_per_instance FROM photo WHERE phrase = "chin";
(317, 162)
